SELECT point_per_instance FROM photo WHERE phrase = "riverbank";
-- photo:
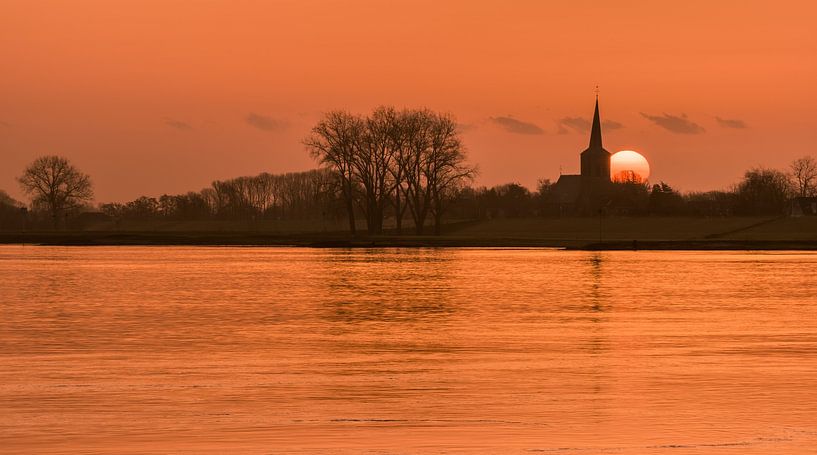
(618, 233)
(261, 239)
(702, 245)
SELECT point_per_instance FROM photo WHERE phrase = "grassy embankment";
(586, 233)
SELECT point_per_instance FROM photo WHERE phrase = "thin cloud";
(5, 124)
(576, 124)
(465, 127)
(583, 125)
(512, 125)
(675, 124)
(731, 123)
(178, 124)
(262, 122)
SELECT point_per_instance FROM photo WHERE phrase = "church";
(586, 193)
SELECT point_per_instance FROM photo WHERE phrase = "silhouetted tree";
(762, 192)
(374, 163)
(445, 169)
(512, 200)
(710, 203)
(665, 201)
(114, 210)
(432, 162)
(7, 200)
(629, 197)
(413, 160)
(293, 195)
(144, 207)
(399, 135)
(409, 159)
(544, 197)
(334, 142)
(467, 204)
(56, 185)
(804, 174)
(628, 177)
(12, 213)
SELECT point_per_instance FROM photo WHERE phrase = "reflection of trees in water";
(386, 285)
(597, 343)
(595, 281)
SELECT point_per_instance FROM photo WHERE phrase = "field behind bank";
(605, 233)
(644, 228)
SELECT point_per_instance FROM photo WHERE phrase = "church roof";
(567, 189)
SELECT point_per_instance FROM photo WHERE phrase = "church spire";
(595, 133)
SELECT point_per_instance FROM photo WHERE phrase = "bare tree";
(373, 164)
(412, 160)
(804, 173)
(762, 192)
(398, 138)
(57, 185)
(432, 163)
(445, 168)
(334, 142)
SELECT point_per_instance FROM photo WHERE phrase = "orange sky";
(153, 97)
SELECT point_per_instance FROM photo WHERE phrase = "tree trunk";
(419, 219)
(371, 221)
(398, 214)
(350, 207)
(438, 222)
(419, 222)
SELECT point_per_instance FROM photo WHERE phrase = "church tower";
(595, 161)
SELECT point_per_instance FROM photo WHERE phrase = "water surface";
(277, 350)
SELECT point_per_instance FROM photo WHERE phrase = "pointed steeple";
(595, 133)
(596, 160)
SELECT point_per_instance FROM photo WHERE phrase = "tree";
(544, 196)
(334, 142)
(375, 153)
(762, 192)
(7, 200)
(513, 199)
(664, 200)
(409, 159)
(628, 197)
(412, 159)
(804, 174)
(12, 213)
(54, 183)
(445, 170)
(399, 136)
(710, 203)
(432, 163)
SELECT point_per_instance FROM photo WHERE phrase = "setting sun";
(629, 166)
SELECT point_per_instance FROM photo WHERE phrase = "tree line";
(760, 192)
(294, 195)
(385, 166)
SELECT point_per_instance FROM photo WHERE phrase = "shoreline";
(255, 239)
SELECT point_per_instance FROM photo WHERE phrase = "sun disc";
(629, 166)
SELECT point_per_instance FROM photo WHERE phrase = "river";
(307, 351)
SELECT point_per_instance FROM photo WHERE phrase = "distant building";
(586, 194)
